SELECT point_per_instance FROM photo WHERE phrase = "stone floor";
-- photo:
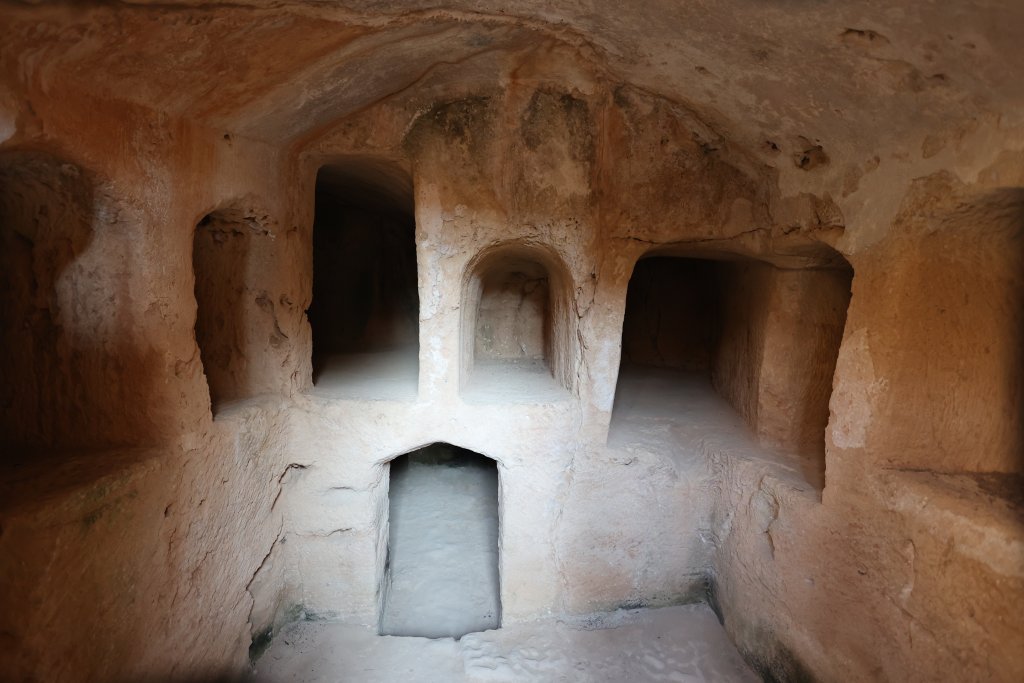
(513, 381)
(380, 376)
(679, 415)
(684, 644)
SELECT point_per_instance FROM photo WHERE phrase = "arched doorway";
(441, 576)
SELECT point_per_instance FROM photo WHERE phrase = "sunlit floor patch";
(678, 644)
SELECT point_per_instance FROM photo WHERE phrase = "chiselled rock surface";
(732, 293)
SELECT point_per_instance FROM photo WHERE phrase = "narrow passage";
(442, 574)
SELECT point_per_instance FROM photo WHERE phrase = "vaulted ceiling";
(797, 83)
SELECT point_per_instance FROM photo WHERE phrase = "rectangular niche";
(516, 345)
(365, 308)
(223, 248)
(766, 339)
(441, 576)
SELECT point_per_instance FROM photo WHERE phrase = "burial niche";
(764, 338)
(441, 574)
(365, 308)
(53, 392)
(223, 263)
(515, 337)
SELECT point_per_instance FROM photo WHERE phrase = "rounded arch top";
(521, 251)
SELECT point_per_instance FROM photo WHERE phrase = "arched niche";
(516, 342)
(226, 247)
(763, 337)
(365, 308)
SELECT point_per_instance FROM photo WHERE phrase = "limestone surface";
(732, 293)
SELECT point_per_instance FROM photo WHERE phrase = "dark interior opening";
(764, 338)
(673, 318)
(365, 291)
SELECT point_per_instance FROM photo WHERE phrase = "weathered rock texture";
(195, 200)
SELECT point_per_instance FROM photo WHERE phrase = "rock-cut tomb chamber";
(718, 305)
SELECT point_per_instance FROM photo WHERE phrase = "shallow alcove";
(515, 337)
(764, 338)
(441, 574)
(66, 345)
(365, 308)
(46, 209)
(222, 259)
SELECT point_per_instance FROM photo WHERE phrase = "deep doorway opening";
(764, 338)
(441, 576)
(365, 308)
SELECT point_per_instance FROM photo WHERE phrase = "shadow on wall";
(74, 376)
(1013, 199)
